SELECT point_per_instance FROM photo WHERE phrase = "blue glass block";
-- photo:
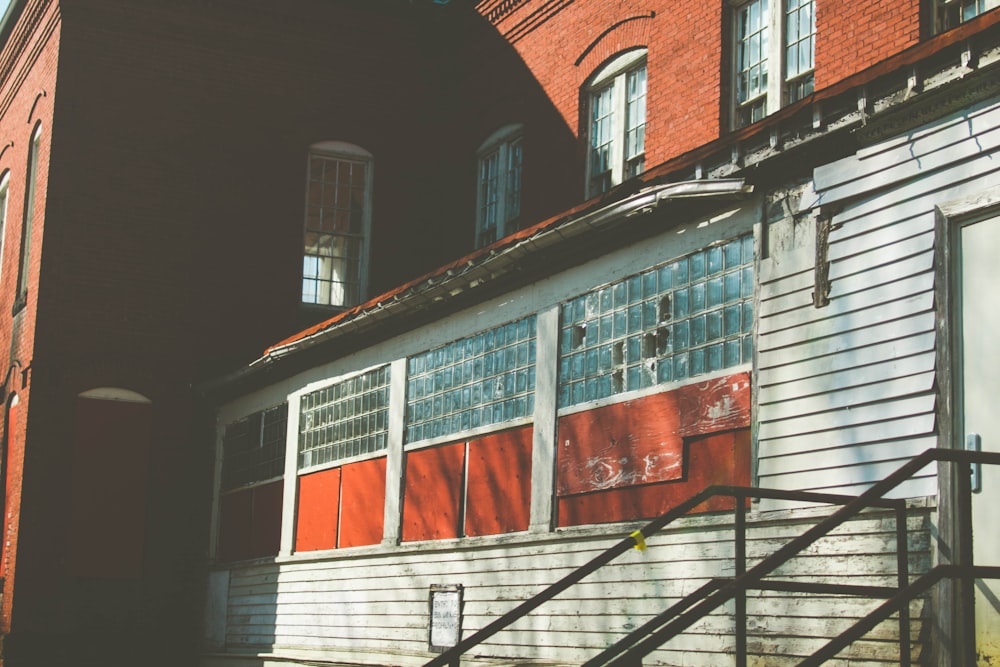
(579, 309)
(604, 359)
(604, 386)
(648, 284)
(715, 260)
(413, 365)
(731, 320)
(563, 395)
(488, 389)
(634, 289)
(664, 274)
(698, 336)
(456, 374)
(713, 325)
(664, 370)
(606, 300)
(576, 366)
(521, 354)
(747, 243)
(531, 352)
(620, 321)
(508, 409)
(680, 272)
(590, 363)
(590, 389)
(488, 364)
(681, 335)
(488, 338)
(522, 330)
(521, 381)
(429, 385)
(633, 380)
(696, 362)
(697, 266)
(714, 357)
(508, 384)
(438, 406)
(468, 348)
(732, 353)
(577, 393)
(604, 329)
(521, 406)
(747, 282)
(477, 345)
(476, 419)
(566, 340)
(747, 352)
(734, 254)
(696, 294)
(509, 358)
(466, 400)
(620, 294)
(592, 305)
(635, 318)
(681, 304)
(531, 404)
(633, 349)
(531, 379)
(565, 372)
(510, 332)
(732, 288)
(650, 317)
(466, 420)
(647, 374)
(566, 314)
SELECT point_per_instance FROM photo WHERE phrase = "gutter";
(491, 264)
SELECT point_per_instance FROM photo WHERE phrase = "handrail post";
(967, 612)
(740, 567)
(903, 579)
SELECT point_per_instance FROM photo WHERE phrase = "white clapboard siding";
(848, 391)
(377, 603)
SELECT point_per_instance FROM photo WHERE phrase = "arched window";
(337, 224)
(616, 101)
(29, 214)
(4, 183)
(498, 201)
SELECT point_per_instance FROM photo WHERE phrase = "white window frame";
(787, 81)
(319, 271)
(499, 166)
(621, 116)
(948, 14)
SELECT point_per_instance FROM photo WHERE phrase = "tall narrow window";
(950, 13)
(616, 99)
(499, 181)
(4, 183)
(337, 227)
(774, 56)
(29, 214)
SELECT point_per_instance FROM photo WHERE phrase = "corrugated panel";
(432, 500)
(499, 488)
(317, 511)
(362, 504)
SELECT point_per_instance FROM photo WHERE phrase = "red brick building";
(186, 183)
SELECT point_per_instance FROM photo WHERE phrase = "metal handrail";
(452, 656)
(869, 498)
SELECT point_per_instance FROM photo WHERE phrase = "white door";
(980, 373)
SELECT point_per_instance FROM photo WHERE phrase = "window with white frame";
(774, 56)
(616, 99)
(337, 225)
(485, 379)
(498, 202)
(690, 316)
(253, 448)
(4, 183)
(346, 419)
(950, 13)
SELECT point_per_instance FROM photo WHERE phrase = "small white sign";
(446, 616)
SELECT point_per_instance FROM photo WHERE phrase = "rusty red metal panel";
(235, 519)
(106, 536)
(432, 495)
(362, 503)
(317, 511)
(266, 529)
(640, 441)
(499, 489)
(721, 458)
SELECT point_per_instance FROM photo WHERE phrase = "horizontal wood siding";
(379, 603)
(847, 391)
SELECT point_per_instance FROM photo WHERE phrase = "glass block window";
(672, 322)
(346, 419)
(253, 448)
(478, 381)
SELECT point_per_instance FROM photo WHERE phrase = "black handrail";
(722, 591)
(729, 590)
(452, 655)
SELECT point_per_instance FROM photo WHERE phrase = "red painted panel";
(106, 536)
(641, 441)
(235, 521)
(499, 489)
(363, 505)
(266, 530)
(431, 499)
(722, 458)
(318, 510)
